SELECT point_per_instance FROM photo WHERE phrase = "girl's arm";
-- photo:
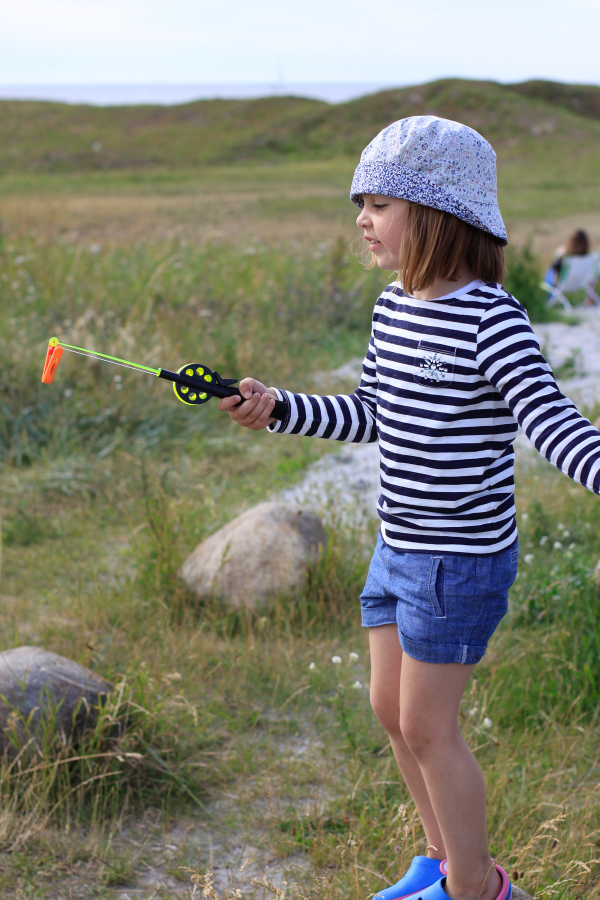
(344, 417)
(508, 353)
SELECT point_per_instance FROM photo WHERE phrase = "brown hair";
(578, 244)
(436, 243)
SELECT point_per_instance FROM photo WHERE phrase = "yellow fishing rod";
(193, 383)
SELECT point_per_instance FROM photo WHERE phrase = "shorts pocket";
(436, 587)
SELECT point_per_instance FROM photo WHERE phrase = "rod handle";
(280, 410)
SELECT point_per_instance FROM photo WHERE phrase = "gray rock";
(263, 553)
(38, 688)
(519, 894)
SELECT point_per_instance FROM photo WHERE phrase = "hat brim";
(389, 179)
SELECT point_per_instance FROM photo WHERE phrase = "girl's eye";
(379, 206)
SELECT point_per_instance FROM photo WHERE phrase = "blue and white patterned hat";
(435, 162)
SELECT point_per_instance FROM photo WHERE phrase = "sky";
(385, 42)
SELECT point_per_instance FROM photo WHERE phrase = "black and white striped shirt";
(444, 384)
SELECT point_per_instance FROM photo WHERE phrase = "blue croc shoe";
(436, 891)
(422, 873)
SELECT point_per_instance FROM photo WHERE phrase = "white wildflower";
(312, 666)
(557, 545)
(566, 533)
(357, 686)
(568, 554)
(528, 558)
(524, 517)
(487, 723)
(543, 540)
(572, 545)
(474, 710)
(354, 656)
(336, 660)
(20, 260)
(560, 526)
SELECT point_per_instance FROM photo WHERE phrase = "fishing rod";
(193, 383)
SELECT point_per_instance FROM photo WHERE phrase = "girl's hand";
(255, 412)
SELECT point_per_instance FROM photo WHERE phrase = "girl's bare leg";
(430, 695)
(417, 703)
(386, 662)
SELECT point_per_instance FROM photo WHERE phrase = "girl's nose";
(362, 219)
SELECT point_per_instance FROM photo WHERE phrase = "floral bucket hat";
(435, 162)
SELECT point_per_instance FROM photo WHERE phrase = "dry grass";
(285, 763)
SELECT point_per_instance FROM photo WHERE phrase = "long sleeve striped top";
(444, 384)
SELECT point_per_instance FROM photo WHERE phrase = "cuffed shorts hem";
(381, 615)
(431, 652)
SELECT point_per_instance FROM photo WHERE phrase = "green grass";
(162, 306)
(231, 708)
(545, 135)
(107, 485)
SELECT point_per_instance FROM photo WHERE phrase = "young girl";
(452, 366)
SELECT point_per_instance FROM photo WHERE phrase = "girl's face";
(383, 220)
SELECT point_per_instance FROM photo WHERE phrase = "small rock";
(519, 894)
(34, 682)
(263, 553)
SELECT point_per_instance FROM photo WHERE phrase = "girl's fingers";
(249, 386)
(254, 413)
(260, 415)
(229, 403)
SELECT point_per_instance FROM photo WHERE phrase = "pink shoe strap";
(505, 889)
(444, 867)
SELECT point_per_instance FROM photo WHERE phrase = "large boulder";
(263, 553)
(42, 691)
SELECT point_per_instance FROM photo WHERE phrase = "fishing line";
(109, 359)
(114, 359)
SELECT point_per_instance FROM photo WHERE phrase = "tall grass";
(251, 702)
(240, 720)
(256, 312)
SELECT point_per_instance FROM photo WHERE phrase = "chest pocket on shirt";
(434, 364)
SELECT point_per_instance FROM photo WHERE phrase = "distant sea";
(167, 94)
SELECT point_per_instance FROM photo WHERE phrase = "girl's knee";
(423, 735)
(387, 711)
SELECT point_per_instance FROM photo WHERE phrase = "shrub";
(523, 277)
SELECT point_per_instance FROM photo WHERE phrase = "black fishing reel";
(204, 379)
(195, 384)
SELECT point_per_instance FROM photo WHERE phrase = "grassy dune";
(546, 137)
(219, 232)
(56, 137)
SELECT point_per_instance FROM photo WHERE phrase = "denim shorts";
(446, 606)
